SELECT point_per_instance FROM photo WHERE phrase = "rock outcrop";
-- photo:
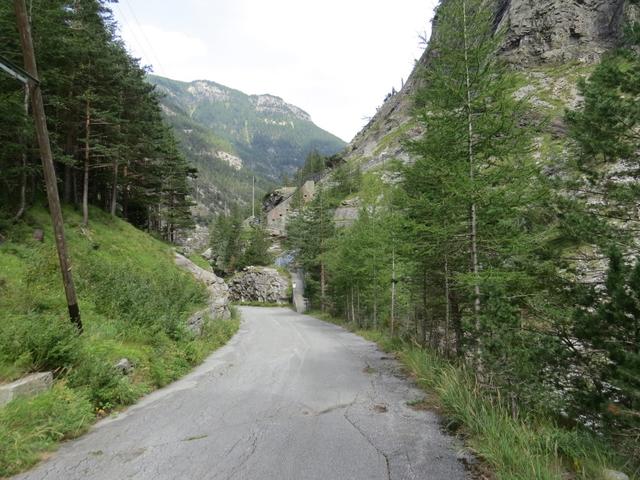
(555, 31)
(218, 302)
(259, 284)
(26, 387)
(538, 33)
(346, 213)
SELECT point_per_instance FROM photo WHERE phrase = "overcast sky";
(336, 59)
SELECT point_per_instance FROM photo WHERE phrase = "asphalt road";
(289, 398)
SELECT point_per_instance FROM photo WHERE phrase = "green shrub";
(134, 302)
(36, 342)
(104, 385)
(157, 300)
(29, 426)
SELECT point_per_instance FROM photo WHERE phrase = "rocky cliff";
(547, 40)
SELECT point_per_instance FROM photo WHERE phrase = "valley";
(453, 294)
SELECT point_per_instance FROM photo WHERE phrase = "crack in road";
(366, 437)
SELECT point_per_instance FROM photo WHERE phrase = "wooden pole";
(42, 133)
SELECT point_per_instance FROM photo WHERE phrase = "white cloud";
(336, 59)
(173, 54)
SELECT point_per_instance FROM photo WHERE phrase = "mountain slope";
(549, 41)
(230, 135)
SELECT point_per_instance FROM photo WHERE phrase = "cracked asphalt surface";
(290, 397)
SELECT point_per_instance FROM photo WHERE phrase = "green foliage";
(102, 116)
(36, 341)
(605, 127)
(315, 163)
(489, 252)
(225, 240)
(348, 180)
(134, 302)
(478, 228)
(609, 324)
(31, 426)
(256, 248)
(200, 261)
(308, 234)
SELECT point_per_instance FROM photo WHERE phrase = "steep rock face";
(541, 31)
(538, 34)
(218, 294)
(259, 284)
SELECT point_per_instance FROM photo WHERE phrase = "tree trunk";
(473, 222)
(323, 286)
(353, 308)
(68, 184)
(23, 177)
(74, 174)
(456, 321)
(114, 188)
(359, 316)
(87, 157)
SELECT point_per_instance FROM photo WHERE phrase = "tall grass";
(29, 427)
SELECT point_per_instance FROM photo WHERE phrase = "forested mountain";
(497, 220)
(110, 143)
(230, 136)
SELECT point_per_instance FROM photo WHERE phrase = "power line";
(144, 36)
(125, 20)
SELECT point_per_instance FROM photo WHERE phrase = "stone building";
(280, 210)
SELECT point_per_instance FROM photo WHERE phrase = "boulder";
(614, 475)
(124, 366)
(26, 386)
(196, 322)
(218, 291)
(259, 284)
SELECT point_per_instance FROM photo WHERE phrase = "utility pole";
(253, 198)
(42, 133)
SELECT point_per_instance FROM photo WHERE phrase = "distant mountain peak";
(232, 137)
(272, 104)
(209, 90)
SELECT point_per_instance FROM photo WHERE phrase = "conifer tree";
(474, 191)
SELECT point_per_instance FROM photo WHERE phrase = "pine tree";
(256, 248)
(474, 197)
(108, 137)
(308, 234)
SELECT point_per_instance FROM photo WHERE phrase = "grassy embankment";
(524, 448)
(134, 302)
